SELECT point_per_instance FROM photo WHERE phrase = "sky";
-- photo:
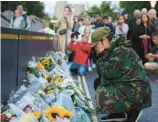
(49, 5)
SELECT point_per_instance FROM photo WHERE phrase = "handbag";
(63, 31)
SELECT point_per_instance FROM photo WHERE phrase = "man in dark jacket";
(133, 22)
(98, 22)
(154, 19)
(108, 24)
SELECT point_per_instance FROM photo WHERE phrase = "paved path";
(150, 114)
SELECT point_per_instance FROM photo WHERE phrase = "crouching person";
(124, 89)
(152, 57)
(81, 51)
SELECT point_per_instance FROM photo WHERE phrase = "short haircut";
(68, 8)
(155, 33)
(137, 11)
(80, 19)
(73, 35)
(105, 17)
(20, 7)
(152, 11)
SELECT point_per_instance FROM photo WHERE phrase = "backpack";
(25, 19)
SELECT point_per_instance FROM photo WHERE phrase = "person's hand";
(138, 21)
(99, 49)
(149, 68)
(149, 55)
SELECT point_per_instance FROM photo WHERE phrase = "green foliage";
(103, 9)
(130, 6)
(54, 18)
(31, 7)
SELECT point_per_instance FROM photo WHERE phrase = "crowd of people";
(139, 29)
(20, 19)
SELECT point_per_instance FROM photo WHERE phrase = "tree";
(130, 6)
(103, 9)
(31, 7)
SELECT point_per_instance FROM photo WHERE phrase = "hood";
(119, 41)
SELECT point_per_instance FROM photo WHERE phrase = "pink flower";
(3, 117)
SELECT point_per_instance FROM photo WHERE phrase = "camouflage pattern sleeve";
(124, 83)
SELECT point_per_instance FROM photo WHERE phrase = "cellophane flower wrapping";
(47, 87)
(64, 100)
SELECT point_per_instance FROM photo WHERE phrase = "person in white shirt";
(17, 22)
(122, 28)
(81, 29)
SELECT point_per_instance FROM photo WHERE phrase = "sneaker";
(90, 69)
(118, 117)
(93, 66)
(139, 115)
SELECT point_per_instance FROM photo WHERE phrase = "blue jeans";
(81, 69)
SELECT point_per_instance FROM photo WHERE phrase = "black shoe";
(118, 117)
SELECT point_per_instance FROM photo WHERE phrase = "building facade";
(77, 9)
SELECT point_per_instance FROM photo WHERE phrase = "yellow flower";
(37, 114)
(60, 111)
(51, 91)
(40, 66)
(58, 81)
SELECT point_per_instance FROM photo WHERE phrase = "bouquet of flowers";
(56, 111)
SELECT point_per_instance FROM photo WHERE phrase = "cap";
(100, 34)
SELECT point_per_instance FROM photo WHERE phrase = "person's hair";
(20, 7)
(124, 12)
(155, 33)
(152, 11)
(144, 9)
(80, 19)
(105, 17)
(148, 23)
(123, 17)
(137, 11)
(73, 35)
(68, 8)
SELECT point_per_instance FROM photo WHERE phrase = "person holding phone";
(122, 28)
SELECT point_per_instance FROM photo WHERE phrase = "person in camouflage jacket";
(124, 85)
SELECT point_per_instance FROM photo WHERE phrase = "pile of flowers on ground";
(48, 94)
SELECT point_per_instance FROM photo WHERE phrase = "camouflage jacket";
(124, 82)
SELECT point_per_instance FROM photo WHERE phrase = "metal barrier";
(17, 48)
